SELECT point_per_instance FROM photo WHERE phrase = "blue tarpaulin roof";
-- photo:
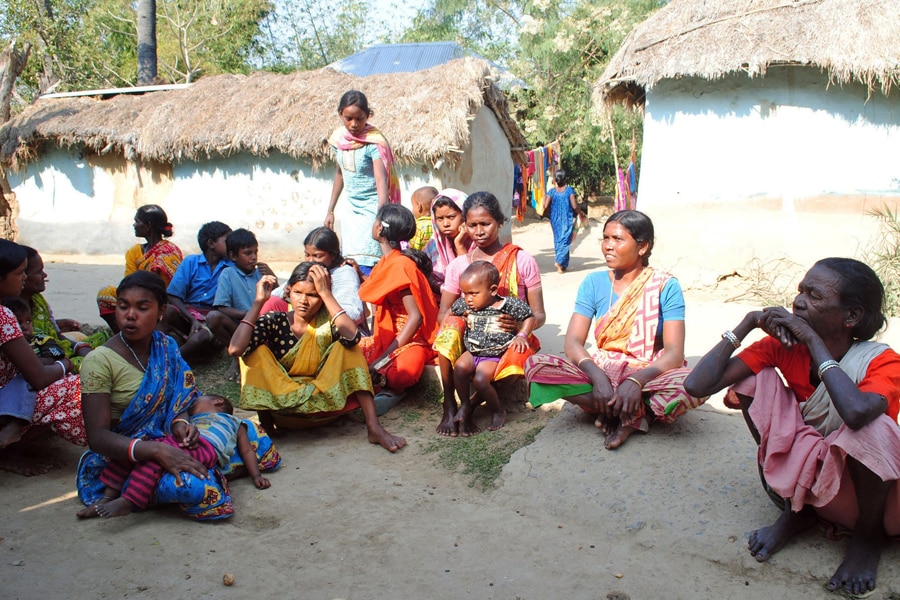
(397, 58)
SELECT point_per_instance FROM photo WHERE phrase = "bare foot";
(448, 425)
(856, 575)
(233, 372)
(11, 433)
(14, 461)
(604, 424)
(388, 441)
(89, 512)
(618, 437)
(497, 421)
(467, 427)
(765, 542)
(119, 507)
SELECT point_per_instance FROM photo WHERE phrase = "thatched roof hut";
(427, 116)
(768, 124)
(249, 150)
(853, 40)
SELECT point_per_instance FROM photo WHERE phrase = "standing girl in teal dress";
(367, 174)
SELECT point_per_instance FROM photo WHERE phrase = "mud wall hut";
(755, 109)
(247, 150)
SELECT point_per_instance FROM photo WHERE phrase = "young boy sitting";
(193, 290)
(485, 341)
(211, 436)
(421, 208)
(236, 290)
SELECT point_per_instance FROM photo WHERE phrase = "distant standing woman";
(563, 209)
(366, 171)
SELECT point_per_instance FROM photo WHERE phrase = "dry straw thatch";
(426, 116)
(850, 39)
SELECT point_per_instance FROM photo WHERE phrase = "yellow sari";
(313, 379)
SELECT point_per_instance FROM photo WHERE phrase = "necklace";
(133, 353)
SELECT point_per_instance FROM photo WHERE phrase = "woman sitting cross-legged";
(829, 445)
(136, 393)
(305, 366)
(639, 361)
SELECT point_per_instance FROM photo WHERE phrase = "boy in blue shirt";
(193, 290)
(237, 289)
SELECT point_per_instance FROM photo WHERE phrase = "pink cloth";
(800, 464)
(529, 276)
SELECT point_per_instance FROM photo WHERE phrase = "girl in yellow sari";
(305, 366)
(639, 361)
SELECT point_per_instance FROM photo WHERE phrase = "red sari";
(390, 277)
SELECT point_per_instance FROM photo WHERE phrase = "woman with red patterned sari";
(519, 277)
(639, 361)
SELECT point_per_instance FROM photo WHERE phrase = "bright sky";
(397, 13)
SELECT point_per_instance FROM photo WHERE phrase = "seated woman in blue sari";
(137, 391)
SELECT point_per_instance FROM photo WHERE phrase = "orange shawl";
(395, 272)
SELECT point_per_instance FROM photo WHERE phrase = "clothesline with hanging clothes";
(531, 179)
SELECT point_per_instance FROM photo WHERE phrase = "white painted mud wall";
(784, 166)
(72, 204)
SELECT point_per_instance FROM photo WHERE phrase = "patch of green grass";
(210, 378)
(482, 456)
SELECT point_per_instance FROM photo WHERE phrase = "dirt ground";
(665, 516)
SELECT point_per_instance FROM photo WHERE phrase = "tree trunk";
(12, 63)
(146, 49)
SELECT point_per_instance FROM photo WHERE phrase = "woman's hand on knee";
(627, 399)
(176, 461)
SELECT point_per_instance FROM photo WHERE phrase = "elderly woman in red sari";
(638, 370)
(829, 445)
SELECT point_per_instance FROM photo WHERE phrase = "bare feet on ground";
(14, 461)
(119, 507)
(89, 512)
(10, 433)
(497, 421)
(618, 437)
(387, 440)
(605, 425)
(448, 425)
(233, 372)
(765, 542)
(467, 427)
(856, 575)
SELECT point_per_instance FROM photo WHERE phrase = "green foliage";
(560, 49)
(883, 255)
(309, 34)
(564, 50)
(482, 456)
(88, 44)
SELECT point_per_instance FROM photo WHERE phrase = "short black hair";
(148, 280)
(17, 305)
(860, 288)
(210, 232)
(239, 239)
(12, 255)
(482, 269)
(355, 98)
(397, 224)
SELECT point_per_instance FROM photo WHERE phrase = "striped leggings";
(143, 477)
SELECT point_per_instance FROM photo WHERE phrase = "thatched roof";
(425, 115)
(849, 39)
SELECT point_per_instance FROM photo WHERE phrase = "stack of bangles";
(131, 449)
(246, 322)
(63, 367)
(828, 364)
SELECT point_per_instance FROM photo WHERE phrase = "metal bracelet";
(731, 338)
(828, 364)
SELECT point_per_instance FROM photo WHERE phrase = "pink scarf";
(342, 139)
